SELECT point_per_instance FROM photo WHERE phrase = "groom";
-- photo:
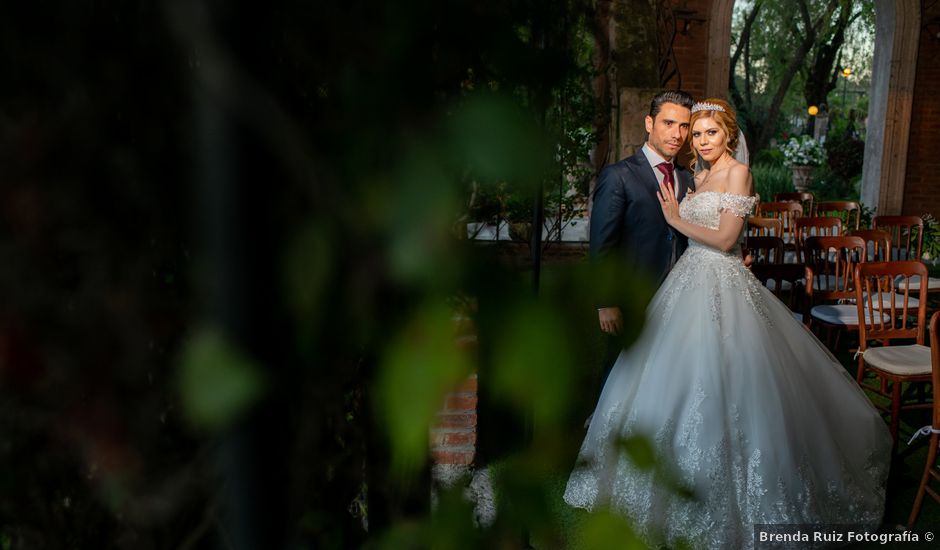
(627, 222)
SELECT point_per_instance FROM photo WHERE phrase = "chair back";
(935, 363)
(785, 211)
(805, 198)
(792, 284)
(907, 235)
(759, 226)
(814, 227)
(765, 250)
(833, 261)
(877, 241)
(885, 304)
(848, 211)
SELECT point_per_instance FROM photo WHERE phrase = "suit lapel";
(685, 183)
(641, 167)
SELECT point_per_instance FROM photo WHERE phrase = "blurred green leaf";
(217, 381)
(452, 525)
(500, 141)
(611, 282)
(533, 363)
(308, 265)
(419, 367)
(525, 491)
(604, 530)
(640, 451)
(404, 535)
(420, 210)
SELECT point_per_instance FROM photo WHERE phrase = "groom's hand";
(611, 319)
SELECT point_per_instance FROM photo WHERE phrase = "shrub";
(770, 179)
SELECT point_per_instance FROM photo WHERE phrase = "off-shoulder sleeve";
(739, 205)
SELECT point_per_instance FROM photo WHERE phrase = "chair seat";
(912, 302)
(784, 285)
(933, 283)
(909, 360)
(836, 314)
(797, 315)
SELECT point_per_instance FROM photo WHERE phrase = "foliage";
(839, 178)
(770, 179)
(845, 154)
(803, 151)
(231, 235)
(931, 243)
(565, 186)
(784, 50)
(866, 215)
(828, 185)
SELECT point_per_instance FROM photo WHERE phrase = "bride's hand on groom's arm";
(669, 203)
(611, 319)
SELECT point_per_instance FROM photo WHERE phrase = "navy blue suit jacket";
(627, 220)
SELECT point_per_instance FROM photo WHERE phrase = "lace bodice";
(705, 208)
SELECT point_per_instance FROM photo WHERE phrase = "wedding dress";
(749, 409)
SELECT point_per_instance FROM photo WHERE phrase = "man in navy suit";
(627, 220)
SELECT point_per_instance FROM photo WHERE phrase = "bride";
(750, 410)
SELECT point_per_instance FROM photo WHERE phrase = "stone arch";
(897, 36)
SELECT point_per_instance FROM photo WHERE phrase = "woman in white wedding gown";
(749, 409)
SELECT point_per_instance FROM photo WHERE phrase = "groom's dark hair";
(670, 96)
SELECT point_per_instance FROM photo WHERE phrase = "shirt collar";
(653, 157)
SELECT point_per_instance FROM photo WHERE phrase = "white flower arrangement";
(803, 150)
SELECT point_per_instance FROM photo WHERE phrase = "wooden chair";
(877, 241)
(930, 467)
(787, 212)
(885, 313)
(847, 211)
(832, 261)
(907, 239)
(814, 227)
(907, 235)
(759, 226)
(765, 250)
(792, 284)
(805, 198)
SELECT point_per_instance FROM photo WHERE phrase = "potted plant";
(802, 154)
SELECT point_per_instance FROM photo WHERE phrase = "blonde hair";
(726, 120)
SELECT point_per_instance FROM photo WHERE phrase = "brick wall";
(692, 49)
(453, 439)
(922, 185)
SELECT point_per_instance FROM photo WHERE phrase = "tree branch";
(796, 62)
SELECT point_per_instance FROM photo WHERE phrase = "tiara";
(705, 106)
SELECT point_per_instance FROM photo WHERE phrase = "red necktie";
(667, 168)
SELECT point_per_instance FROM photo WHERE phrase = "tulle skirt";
(744, 407)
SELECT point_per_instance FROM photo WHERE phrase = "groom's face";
(669, 129)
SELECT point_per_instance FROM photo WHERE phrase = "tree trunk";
(603, 85)
(799, 57)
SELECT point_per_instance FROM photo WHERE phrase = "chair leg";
(860, 373)
(919, 499)
(895, 414)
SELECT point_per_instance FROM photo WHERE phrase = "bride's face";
(709, 139)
